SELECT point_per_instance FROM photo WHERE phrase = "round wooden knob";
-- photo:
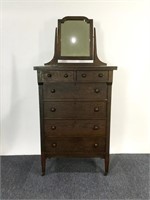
(53, 127)
(97, 90)
(54, 145)
(95, 127)
(53, 91)
(65, 75)
(100, 75)
(53, 109)
(95, 145)
(83, 75)
(96, 109)
(49, 75)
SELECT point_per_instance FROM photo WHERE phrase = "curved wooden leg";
(106, 165)
(43, 163)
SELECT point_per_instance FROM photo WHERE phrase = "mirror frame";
(76, 18)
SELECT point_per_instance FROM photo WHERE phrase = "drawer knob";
(49, 75)
(95, 145)
(54, 145)
(96, 109)
(83, 75)
(53, 109)
(100, 75)
(53, 127)
(65, 75)
(95, 127)
(53, 91)
(97, 90)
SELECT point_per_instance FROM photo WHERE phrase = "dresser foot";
(105, 173)
(43, 173)
(106, 166)
(43, 163)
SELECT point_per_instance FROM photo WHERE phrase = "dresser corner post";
(109, 89)
(43, 156)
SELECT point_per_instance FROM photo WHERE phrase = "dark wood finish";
(75, 106)
(74, 91)
(75, 115)
(74, 110)
(57, 145)
(59, 76)
(93, 76)
(74, 128)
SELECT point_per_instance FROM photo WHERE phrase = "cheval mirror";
(75, 41)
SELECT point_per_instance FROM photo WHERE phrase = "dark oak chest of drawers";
(75, 104)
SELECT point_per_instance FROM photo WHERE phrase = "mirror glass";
(75, 38)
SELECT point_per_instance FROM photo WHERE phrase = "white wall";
(27, 40)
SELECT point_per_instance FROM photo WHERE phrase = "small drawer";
(74, 110)
(58, 145)
(58, 76)
(76, 128)
(75, 91)
(92, 76)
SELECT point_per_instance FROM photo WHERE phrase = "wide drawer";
(92, 76)
(67, 128)
(71, 90)
(74, 110)
(74, 144)
(58, 76)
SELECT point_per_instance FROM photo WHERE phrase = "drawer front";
(78, 110)
(78, 128)
(74, 144)
(71, 90)
(58, 76)
(92, 76)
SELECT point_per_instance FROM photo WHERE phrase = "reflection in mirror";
(75, 38)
